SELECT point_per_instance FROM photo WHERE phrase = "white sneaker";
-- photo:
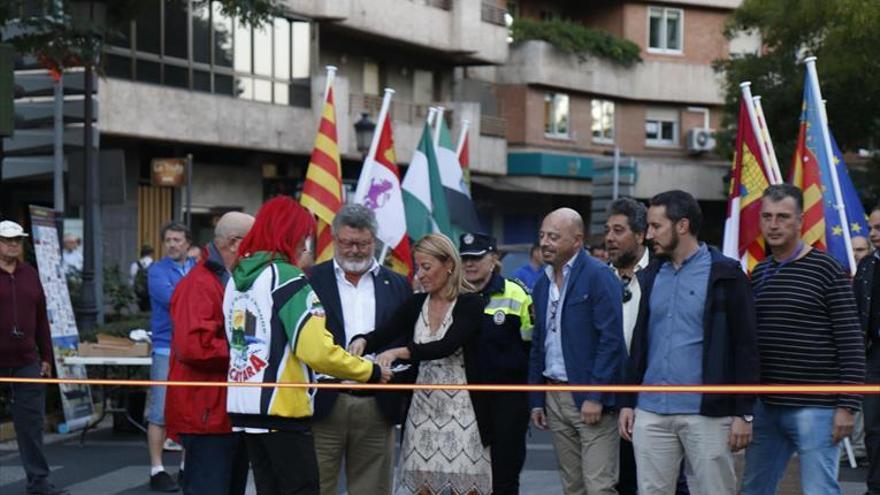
(171, 446)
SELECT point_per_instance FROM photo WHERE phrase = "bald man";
(578, 339)
(214, 455)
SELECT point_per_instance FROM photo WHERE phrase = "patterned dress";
(442, 452)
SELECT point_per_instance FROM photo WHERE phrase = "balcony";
(540, 63)
(467, 31)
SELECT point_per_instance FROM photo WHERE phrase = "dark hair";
(355, 216)
(176, 227)
(679, 205)
(147, 250)
(535, 247)
(778, 192)
(635, 212)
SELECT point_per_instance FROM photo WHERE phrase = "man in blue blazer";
(358, 295)
(578, 339)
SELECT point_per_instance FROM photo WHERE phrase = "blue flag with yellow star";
(855, 212)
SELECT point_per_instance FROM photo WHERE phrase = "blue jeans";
(781, 431)
(155, 411)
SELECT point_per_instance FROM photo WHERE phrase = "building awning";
(535, 185)
(550, 164)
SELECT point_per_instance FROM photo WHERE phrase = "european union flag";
(855, 212)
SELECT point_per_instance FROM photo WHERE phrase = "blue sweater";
(162, 278)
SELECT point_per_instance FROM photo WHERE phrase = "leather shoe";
(49, 489)
(163, 482)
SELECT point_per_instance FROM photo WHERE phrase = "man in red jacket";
(25, 352)
(216, 462)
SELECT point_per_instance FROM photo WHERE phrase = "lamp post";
(363, 133)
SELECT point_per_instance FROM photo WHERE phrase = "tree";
(845, 36)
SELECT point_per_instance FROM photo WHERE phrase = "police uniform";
(505, 341)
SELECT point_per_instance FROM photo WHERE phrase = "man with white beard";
(358, 295)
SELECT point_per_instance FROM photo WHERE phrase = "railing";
(404, 111)
(493, 126)
(493, 14)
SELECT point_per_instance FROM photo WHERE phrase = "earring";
(449, 272)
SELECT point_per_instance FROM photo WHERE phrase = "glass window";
(665, 29)
(117, 66)
(282, 94)
(176, 76)
(175, 28)
(282, 49)
(244, 88)
(602, 121)
(556, 116)
(371, 78)
(301, 49)
(262, 90)
(202, 81)
(242, 48)
(148, 27)
(201, 32)
(147, 71)
(661, 127)
(119, 32)
(222, 37)
(223, 85)
(263, 50)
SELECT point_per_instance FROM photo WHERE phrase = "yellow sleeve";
(525, 317)
(316, 348)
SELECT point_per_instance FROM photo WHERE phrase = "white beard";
(353, 266)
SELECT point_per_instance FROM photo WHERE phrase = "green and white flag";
(424, 198)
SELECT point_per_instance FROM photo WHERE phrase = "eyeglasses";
(624, 284)
(347, 244)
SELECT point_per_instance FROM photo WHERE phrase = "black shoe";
(163, 482)
(49, 489)
(180, 478)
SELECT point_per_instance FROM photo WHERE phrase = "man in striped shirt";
(808, 333)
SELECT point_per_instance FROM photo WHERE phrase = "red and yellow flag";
(805, 174)
(322, 190)
(742, 233)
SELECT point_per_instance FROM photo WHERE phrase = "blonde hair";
(439, 246)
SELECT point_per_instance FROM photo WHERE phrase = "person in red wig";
(275, 325)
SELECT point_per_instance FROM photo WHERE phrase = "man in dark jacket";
(358, 296)
(578, 339)
(215, 457)
(696, 325)
(867, 292)
(25, 352)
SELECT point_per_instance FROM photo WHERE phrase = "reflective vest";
(506, 336)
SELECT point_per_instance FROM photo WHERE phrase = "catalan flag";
(322, 190)
(748, 179)
(813, 170)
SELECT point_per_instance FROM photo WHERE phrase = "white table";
(104, 362)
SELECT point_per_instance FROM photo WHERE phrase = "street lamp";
(363, 133)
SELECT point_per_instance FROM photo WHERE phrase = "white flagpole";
(437, 127)
(750, 107)
(432, 111)
(829, 152)
(331, 74)
(367, 167)
(461, 136)
(766, 140)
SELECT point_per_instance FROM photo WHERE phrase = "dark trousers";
(871, 409)
(284, 462)
(28, 401)
(510, 423)
(215, 464)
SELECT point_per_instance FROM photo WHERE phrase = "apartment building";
(182, 78)
(565, 114)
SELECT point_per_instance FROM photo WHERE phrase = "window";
(556, 115)
(661, 127)
(423, 86)
(603, 121)
(371, 78)
(191, 44)
(665, 30)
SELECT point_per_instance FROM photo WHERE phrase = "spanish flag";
(322, 190)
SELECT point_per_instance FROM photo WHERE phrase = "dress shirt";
(631, 307)
(675, 333)
(554, 361)
(358, 301)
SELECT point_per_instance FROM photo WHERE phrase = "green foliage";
(118, 294)
(577, 39)
(844, 35)
(120, 326)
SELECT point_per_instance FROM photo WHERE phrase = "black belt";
(554, 381)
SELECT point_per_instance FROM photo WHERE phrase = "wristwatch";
(748, 418)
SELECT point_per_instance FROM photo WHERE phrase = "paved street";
(116, 464)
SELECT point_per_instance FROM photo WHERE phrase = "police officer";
(504, 352)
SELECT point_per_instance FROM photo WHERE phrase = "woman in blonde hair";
(446, 432)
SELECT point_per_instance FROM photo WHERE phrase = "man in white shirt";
(358, 295)
(71, 255)
(625, 241)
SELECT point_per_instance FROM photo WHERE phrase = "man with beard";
(696, 325)
(504, 353)
(625, 240)
(356, 426)
(578, 339)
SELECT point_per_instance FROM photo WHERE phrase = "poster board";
(76, 400)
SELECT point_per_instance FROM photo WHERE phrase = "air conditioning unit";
(699, 139)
